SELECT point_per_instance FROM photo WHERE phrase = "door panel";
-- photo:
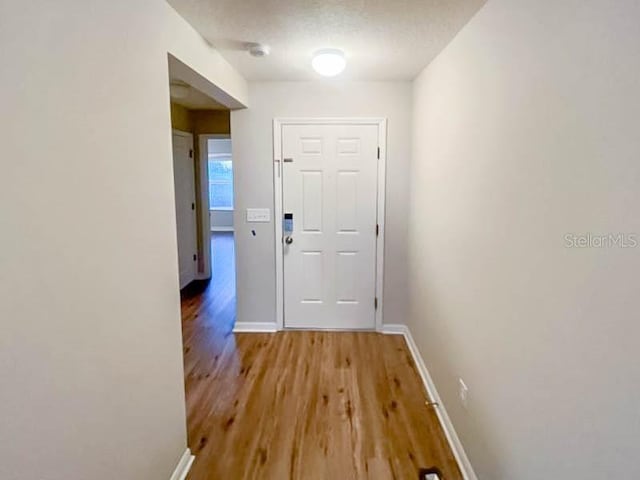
(312, 201)
(347, 190)
(185, 191)
(312, 276)
(330, 187)
(346, 274)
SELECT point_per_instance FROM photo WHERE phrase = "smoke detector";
(258, 50)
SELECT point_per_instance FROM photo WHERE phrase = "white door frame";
(205, 218)
(278, 123)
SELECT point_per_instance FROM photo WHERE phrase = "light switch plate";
(258, 215)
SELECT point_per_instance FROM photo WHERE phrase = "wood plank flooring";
(303, 405)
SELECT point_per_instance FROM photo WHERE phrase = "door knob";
(288, 239)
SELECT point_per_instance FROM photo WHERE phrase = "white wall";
(525, 129)
(90, 350)
(252, 136)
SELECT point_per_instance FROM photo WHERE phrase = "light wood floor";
(303, 405)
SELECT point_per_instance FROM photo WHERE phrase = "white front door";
(185, 190)
(330, 187)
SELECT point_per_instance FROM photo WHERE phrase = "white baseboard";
(255, 327)
(393, 329)
(441, 412)
(184, 465)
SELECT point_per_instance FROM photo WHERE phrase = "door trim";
(278, 123)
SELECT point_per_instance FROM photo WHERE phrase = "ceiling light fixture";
(329, 62)
(179, 90)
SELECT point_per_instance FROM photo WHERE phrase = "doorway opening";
(215, 297)
(204, 201)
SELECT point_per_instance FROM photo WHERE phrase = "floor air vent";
(430, 474)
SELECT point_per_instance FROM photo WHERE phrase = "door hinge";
(194, 257)
(377, 229)
(378, 153)
(190, 153)
(375, 303)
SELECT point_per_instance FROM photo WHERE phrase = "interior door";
(185, 191)
(330, 188)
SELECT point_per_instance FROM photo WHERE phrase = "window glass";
(220, 182)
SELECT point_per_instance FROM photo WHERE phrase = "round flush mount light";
(329, 62)
(179, 90)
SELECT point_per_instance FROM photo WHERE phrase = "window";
(220, 175)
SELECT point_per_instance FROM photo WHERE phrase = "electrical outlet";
(463, 393)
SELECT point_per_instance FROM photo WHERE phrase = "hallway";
(300, 404)
(214, 300)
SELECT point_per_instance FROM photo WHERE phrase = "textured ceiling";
(383, 39)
